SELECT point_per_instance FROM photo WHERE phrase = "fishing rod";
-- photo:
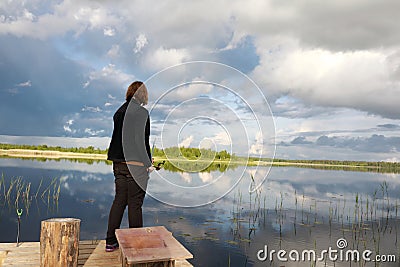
(159, 165)
(19, 213)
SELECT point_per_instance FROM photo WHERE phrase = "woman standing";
(130, 152)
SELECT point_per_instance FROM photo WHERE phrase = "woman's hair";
(138, 91)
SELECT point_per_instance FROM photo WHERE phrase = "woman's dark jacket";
(130, 138)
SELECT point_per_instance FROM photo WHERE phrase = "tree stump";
(59, 241)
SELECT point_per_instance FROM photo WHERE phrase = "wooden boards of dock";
(59, 246)
(28, 253)
(91, 253)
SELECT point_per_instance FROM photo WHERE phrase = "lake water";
(295, 209)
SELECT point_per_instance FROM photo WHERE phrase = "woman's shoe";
(111, 248)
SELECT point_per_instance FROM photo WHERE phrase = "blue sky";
(330, 71)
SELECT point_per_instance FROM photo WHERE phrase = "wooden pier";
(91, 253)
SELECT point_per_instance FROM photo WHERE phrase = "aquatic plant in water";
(17, 193)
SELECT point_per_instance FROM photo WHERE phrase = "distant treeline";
(367, 164)
(195, 167)
(189, 153)
(89, 149)
(75, 160)
(354, 168)
(192, 153)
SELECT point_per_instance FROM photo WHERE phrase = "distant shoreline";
(53, 154)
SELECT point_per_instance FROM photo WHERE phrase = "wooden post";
(59, 241)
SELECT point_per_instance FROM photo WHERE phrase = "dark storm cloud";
(290, 107)
(389, 126)
(333, 25)
(348, 25)
(40, 88)
(373, 144)
(301, 140)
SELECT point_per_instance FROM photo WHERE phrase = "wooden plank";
(89, 243)
(3, 255)
(86, 248)
(100, 257)
(27, 254)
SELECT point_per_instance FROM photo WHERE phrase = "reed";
(365, 220)
(16, 193)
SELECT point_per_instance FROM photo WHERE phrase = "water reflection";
(295, 208)
(194, 167)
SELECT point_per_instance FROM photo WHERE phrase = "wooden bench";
(150, 247)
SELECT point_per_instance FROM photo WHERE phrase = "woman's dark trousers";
(129, 191)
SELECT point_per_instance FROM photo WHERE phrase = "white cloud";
(110, 73)
(61, 18)
(95, 16)
(91, 109)
(90, 177)
(86, 84)
(44, 26)
(394, 159)
(222, 138)
(93, 132)
(114, 51)
(67, 129)
(207, 143)
(108, 31)
(28, 15)
(141, 42)
(174, 24)
(67, 126)
(186, 142)
(363, 80)
(257, 147)
(191, 91)
(162, 58)
(25, 84)
(205, 177)
(186, 177)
